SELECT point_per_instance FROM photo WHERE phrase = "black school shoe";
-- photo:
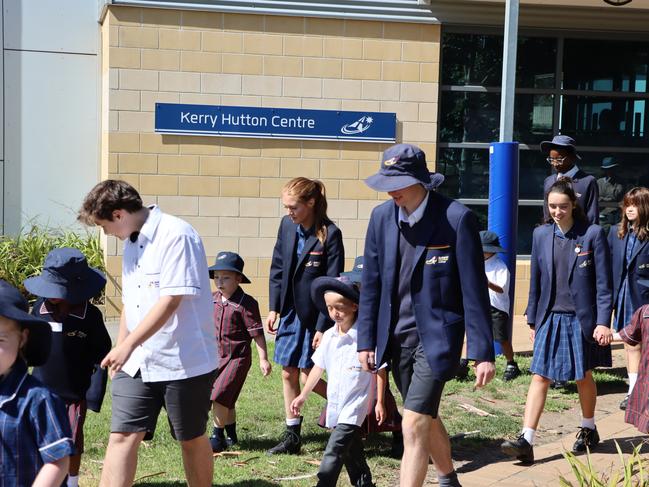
(519, 449)
(511, 372)
(558, 384)
(624, 403)
(218, 444)
(586, 438)
(462, 372)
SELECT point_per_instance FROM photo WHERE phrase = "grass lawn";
(260, 424)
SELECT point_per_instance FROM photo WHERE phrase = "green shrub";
(633, 471)
(22, 256)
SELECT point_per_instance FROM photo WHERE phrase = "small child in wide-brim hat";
(80, 339)
(26, 406)
(238, 322)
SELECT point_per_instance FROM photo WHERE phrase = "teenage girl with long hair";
(630, 262)
(308, 245)
(568, 312)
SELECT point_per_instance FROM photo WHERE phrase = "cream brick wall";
(229, 188)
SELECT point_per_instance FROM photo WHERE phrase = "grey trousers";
(344, 447)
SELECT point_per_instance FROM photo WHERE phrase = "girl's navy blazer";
(638, 267)
(589, 281)
(448, 285)
(299, 272)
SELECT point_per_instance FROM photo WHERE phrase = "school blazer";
(448, 285)
(589, 281)
(638, 267)
(587, 191)
(316, 260)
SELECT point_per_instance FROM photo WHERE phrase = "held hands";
(603, 335)
(367, 360)
(297, 404)
(484, 372)
(265, 367)
(270, 322)
(532, 333)
(379, 411)
(317, 338)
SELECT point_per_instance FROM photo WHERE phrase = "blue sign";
(281, 123)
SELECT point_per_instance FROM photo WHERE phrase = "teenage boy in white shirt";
(166, 351)
(348, 386)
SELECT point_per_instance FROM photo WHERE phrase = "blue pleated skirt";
(562, 353)
(293, 343)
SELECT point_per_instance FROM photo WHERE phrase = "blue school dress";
(561, 352)
(624, 310)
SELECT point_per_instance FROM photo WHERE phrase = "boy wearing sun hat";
(36, 442)
(79, 337)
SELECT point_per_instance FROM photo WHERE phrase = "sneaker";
(511, 372)
(217, 444)
(558, 384)
(462, 370)
(519, 449)
(624, 403)
(586, 439)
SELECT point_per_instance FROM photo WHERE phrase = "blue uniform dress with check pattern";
(625, 310)
(561, 352)
(293, 341)
(34, 428)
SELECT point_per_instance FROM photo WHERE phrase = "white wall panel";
(46, 25)
(51, 127)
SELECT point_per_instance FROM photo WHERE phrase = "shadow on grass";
(266, 443)
(242, 483)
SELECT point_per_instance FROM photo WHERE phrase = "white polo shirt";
(348, 386)
(168, 259)
(498, 274)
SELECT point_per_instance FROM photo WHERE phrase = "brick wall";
(229, 188)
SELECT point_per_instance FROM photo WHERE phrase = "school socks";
(529, 434)
(73, 481)
(449, 480)
(633, 378)
(588, 423)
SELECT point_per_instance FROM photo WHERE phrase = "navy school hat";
(357, 271)
(403, 165)
(490, 242)
(560, 142)
(66, 275)
(229, 261)
(341, 285)
(14, 307)
(609, 162)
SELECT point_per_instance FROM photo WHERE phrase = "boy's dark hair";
(106, 197)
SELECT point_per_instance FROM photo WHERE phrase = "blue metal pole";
(503, 207)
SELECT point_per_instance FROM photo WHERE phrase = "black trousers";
(344, 447)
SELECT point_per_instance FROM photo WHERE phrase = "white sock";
(588, 423)
(292, 421)
(73, 481)
(529, 434)
(633, 378)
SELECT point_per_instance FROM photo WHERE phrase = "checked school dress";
(237, 322)
(637, 331)
(560, 350)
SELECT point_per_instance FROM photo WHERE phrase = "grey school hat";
(403, 165)
(609, 162)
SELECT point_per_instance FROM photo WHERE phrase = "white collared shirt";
(568, 174)
(498, 274)
(168, 259)
(416, 215)
(348, 386)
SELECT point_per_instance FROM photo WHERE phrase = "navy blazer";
(587, 191)
(288, 270)
(589, 280)
(448, 285)
(638, 268)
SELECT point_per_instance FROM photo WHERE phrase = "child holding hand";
(348, 386)
(237, 320)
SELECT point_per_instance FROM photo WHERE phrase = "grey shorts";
(137, 404)
(420, 390)
(500, 320)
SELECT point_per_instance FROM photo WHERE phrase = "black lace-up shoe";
(290, 443)
(519, 449)
(624, 403)
(511, 372)
(586, 438)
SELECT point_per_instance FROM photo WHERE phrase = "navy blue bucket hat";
(560, 142)
(14, 307)
(341, 285)
(357, 271)
(229, 261)
(490, 242)
(403, 165)
(66, 275)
